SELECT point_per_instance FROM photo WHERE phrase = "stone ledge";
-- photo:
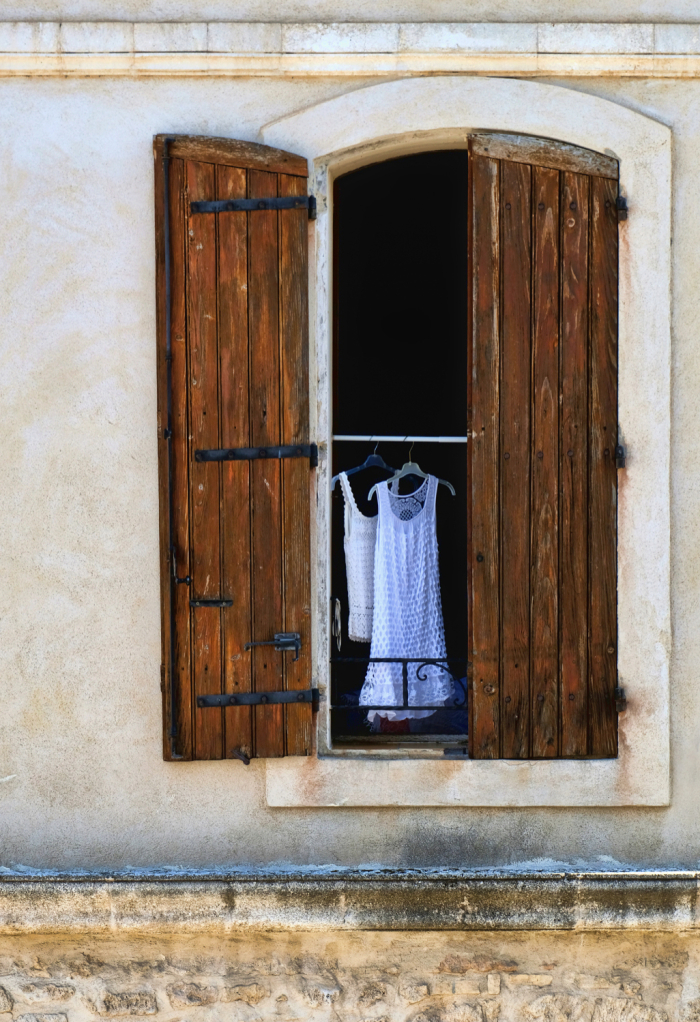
(321, 899)
(84, 48)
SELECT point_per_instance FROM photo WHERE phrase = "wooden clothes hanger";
(374, 460)
(410, 468)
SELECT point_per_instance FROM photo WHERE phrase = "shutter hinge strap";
(620, 700)
(305, 695)
(621, 204)
(252, 205)
(309, 451)
(620, 456)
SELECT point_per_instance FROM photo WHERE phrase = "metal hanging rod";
(375, 438)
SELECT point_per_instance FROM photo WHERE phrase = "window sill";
(334, 781)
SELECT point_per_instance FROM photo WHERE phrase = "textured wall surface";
(81, 778)
(360, 10)
(427, 977)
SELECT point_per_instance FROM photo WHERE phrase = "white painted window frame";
(413, 115)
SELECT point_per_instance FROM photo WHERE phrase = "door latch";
(283, 642)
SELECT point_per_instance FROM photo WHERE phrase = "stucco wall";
(81, 778)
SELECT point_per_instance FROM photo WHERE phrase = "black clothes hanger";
(412, 468)
(374, 460)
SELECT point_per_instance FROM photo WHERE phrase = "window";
(493, 319)
(492, 313)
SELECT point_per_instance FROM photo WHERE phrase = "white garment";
(359, 542)
(407, 606)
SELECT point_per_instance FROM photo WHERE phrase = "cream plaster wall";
(81, 779)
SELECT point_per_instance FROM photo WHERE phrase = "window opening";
(400, 371)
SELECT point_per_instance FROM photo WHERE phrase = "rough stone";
(6, 1001)
(371, 994)
(40, 992)
(414, 992)
(524, 980)
(251, 994)
(318, 995)
(31, 1017)
(479, 963)
(186, 995)
(139, 1002)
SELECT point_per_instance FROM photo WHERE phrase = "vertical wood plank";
(483, 456)
(544, 587)
(163, 467)
(602, 717)
(573, 466)
(545, 501)
(235, 432)
(296, 474)
(204, 477)
(515, 458)
(179, 746)
(181, 523)
(263, 316)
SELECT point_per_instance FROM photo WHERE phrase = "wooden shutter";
(238, 529)
(542, 468)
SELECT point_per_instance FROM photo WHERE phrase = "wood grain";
(233, 152)
(296, 475)
(602, 717)
(204, 477)
(181, 517)
(163, 466)
(544, 550)
(483, 453)
(544, 152)
(263, 313)
(573, 466)
(515, 458)
(235, 432)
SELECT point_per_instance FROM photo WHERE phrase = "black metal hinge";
(211, 603)
(305, 695)
(621, 204)
(620, 700)
(620, 456)
(251, 205)
(309, 451)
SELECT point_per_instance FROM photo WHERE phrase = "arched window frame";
(413, 115)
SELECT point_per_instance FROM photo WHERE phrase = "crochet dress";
(407, 620)
(359, 541)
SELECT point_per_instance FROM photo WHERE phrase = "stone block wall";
(424, 976)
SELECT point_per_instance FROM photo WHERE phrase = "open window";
(484, 325)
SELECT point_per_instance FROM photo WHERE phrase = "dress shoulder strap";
(349, 500)
(431, 496)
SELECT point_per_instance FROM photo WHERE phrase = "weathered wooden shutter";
(542, 465)
(233, 374)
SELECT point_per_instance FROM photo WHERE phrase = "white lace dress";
(407, 618)
(359, 542)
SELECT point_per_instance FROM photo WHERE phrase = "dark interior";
(400, 367)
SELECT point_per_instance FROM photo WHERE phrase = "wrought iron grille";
(459, 705)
